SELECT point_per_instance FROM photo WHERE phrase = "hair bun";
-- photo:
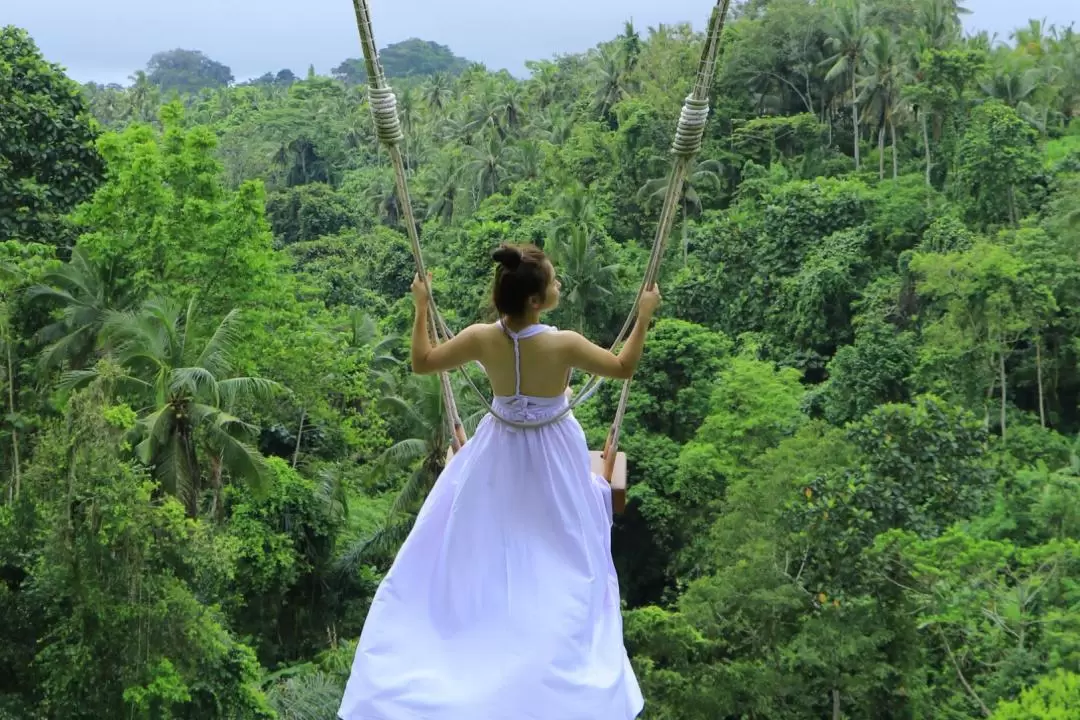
(507, 256)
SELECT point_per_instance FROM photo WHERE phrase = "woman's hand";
(650, 300)
(419, 290)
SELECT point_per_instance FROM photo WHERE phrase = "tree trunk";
(15, 471)
(895, 163)
(855, 115)
(299, 435)
(1001, 374)
(192, 461)
(1039, 380)
(926, 145)
(836, 704)
(1012, 207)
(881, 151)
(685, 219)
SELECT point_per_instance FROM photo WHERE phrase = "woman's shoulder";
(483, 331)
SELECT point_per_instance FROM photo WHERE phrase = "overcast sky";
(106, 40)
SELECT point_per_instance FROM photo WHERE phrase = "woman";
(503, 603)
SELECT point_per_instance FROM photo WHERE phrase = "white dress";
(503, 603)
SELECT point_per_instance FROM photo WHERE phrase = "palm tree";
(553, 126)
(544, 84)
(186, 429)
(380, 196)
(585, 279)
(1015, 81)
(488, 110)
(458, 126)
(364, 334)
(631, 46)
(937, 28)
(143, 98)
(438, 93)
(574, 209)
(487, 165)
(881, 90)
(848, 39)
(528, 160)
(1034, 40)
(446, 184)
(407, 112)
(937, 23)
(611, 86)
(511, 99)
(705, 174)
(422, 455)
(86, 293)
(303, 693)
(8, 341)
(357, 130)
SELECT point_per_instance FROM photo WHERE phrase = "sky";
(107, 40)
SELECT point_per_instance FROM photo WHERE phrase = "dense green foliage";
(186, 71)
(409, 58)
(855, 484)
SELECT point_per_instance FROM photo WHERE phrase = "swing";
(608, 463)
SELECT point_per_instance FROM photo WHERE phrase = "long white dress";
(503, 603)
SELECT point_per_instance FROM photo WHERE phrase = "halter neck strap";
(524, 333)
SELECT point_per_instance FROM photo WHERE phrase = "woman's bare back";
(545, 363)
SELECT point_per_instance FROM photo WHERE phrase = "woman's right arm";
(596, 360)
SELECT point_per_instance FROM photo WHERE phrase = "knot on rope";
(691, 130)
(384, 110)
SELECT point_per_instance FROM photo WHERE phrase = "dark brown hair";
(523, 272)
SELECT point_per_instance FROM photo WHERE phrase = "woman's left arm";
(463, 348)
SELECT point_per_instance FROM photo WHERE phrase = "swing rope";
(689, 136)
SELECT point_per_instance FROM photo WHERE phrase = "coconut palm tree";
(612, 82)
(511, 99)
(487, 165)
(445, 183)
(438, 93)
(143, 98)
(85, 294)
(380, 196)
(421, 456)
(704, 174)
(8, 344)
(881, 90)
(364, 333)
(1016, 80)
(528, 159)
(574, 209)
(544, 83)
(585, 279)
(848, 38)
(186, 396)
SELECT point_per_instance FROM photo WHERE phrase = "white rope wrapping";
(384, 111)
(690, 132)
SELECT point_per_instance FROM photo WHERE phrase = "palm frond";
(379, 545)
(54, 354)
(191, 380)
(75, 379)
(216, 355)
(404, 453)
(308, 696)
(243, 461)
(255, 388)
(413, 492)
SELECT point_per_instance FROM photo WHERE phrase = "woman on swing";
(503, 603)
